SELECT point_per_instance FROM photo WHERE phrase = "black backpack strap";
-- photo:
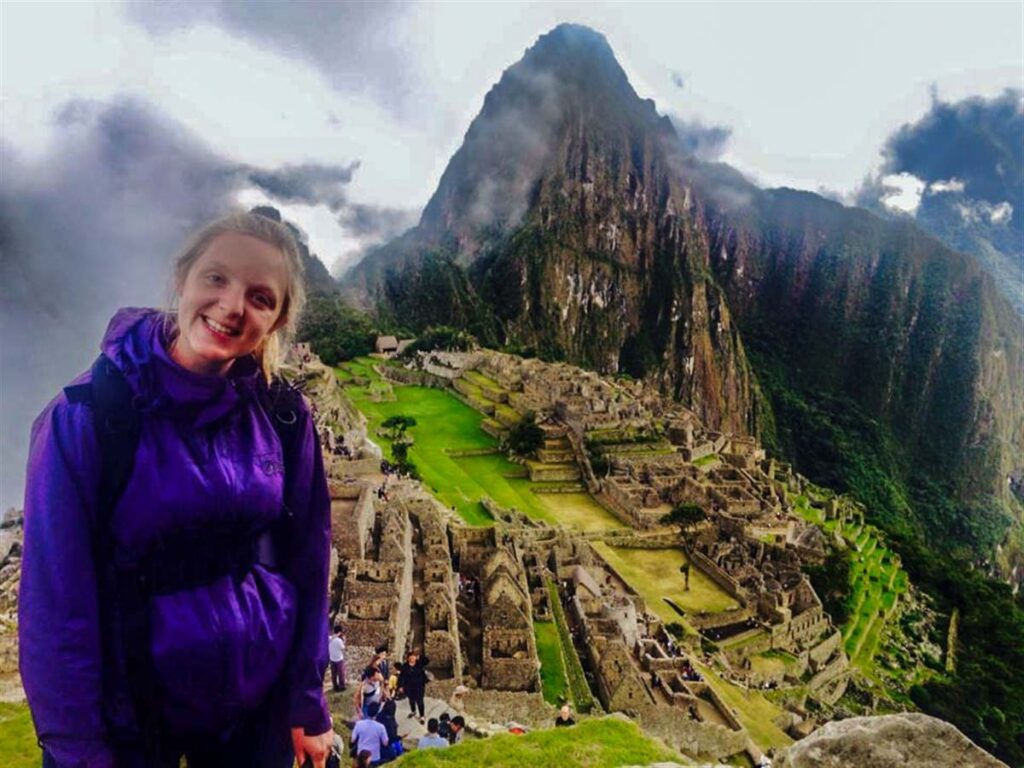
(118, 424)
(284, 405)
(122, 603)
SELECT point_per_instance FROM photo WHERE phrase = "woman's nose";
(233, 302)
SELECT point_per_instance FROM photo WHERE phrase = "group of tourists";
(469, 587)
(375, 702)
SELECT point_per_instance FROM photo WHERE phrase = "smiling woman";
(238, 286)
(170, 606)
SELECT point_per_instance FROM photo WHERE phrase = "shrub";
(525, 437)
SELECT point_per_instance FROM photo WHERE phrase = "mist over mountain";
(967, 158)
(578, 223)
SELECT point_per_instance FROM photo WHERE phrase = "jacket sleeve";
(58, 614)
(306, 567)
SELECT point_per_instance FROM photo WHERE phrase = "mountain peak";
(567, 95)
(571, 38)
(574, 54)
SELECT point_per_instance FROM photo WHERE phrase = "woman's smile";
(219, 330)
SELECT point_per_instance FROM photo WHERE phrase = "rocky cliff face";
(570, 223)
(891, 741)
(879, 314)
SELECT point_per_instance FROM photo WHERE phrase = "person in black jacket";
(412, 681)
(386, 717)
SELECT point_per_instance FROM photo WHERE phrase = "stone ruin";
(413, 575)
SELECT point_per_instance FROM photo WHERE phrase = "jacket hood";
(137, 342)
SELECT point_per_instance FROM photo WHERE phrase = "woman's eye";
(214, 279)
(264, 301)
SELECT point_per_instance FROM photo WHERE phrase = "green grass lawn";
(654, 573)
(444, 424)
(552, 665)
(18, 748)
(597, 743)
(756, 713)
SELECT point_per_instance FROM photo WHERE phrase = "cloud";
(88, 228)
(969, 154)
(952, 185)
(980, 212)
(308, 183)
(902, 193)
(376, 222)
(359, 47)
(706, 142)
(959, 171)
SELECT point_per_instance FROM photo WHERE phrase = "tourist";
(455, 729)
(444, 726)
(413, 682)
(458, 699)
(564, 718)
(380, 660)
(369, 691)
(387, 718)
(370, 735)
(433, 740)
(198, 459)
(336, 654)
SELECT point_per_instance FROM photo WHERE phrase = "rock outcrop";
(908, 740)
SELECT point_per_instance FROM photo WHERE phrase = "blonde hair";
(268, 353)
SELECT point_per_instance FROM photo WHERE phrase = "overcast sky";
(810, 91)
(122, 125)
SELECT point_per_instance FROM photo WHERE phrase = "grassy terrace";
(575, 677)
(876, 582)
(596, 743)
(446, 426)
(654, 573)
(552, 665)
(756, 713)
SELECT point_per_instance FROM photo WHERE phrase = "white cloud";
(979, 211)
(950, 185)
(1001, 213)
(903, 192)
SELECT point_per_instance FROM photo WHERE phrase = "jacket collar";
(138, 341)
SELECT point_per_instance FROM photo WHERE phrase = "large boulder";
(908, 740)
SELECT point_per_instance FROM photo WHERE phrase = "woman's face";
(230, 301)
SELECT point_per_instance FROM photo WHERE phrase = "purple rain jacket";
(208, 455)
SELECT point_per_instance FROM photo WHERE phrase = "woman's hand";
(316, 748)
